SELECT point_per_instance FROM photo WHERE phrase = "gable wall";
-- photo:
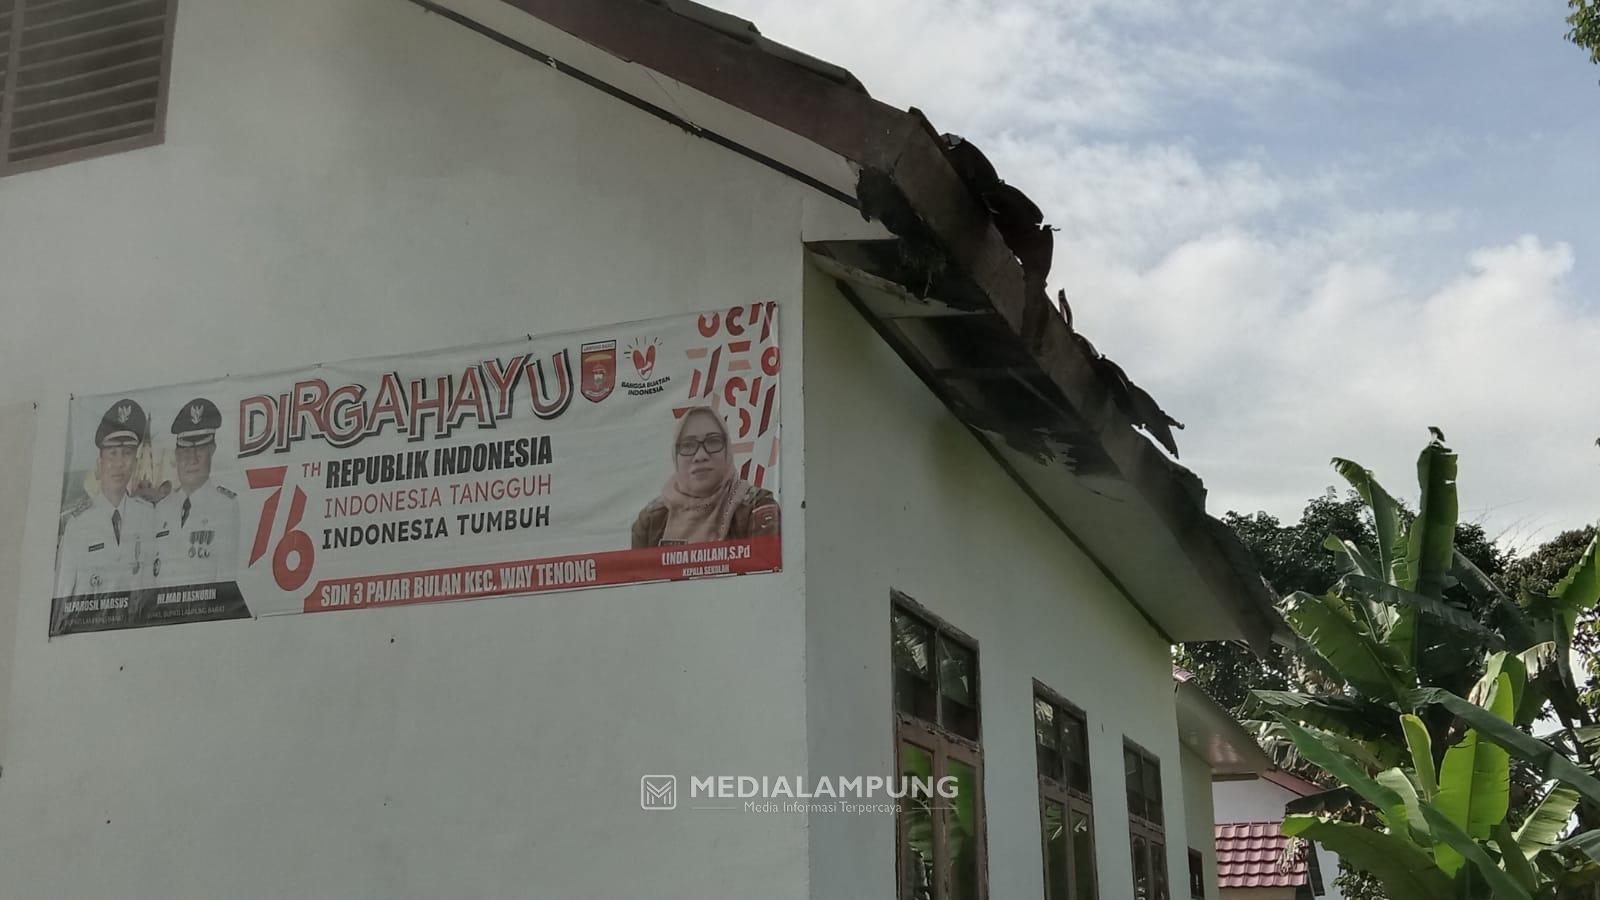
(901, 496)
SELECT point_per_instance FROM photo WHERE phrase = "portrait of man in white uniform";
(106, 538)
(197, 531)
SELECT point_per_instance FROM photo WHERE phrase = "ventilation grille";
(82, 78)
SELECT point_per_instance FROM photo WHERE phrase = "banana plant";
(1413, 614)
(1442, 831)
(1437, 676)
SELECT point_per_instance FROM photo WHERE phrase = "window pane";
(1158, 871)
(1197, 875)
(1082, 856)
(1046, 740)
(1075, 746)
(1152, 789)
(958, 672)
(958, 688)
(913, 644)
(961, 833)
(1056, 882)
(916, 827)
(1135, 780)
(913, 667)
(1141, 869)
(914, 696)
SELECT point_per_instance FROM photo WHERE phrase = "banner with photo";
(639, 452)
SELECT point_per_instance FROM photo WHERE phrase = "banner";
(638, 452)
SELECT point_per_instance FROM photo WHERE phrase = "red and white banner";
(638, 452)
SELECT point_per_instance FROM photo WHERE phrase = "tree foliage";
(1584, 22)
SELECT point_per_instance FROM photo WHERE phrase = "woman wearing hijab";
(704, 500)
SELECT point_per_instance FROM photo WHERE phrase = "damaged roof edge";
(910, 182)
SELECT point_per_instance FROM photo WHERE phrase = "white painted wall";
(1198, 818)
(341, 180)
(1250, 800)
(899, 495)
(16, 448)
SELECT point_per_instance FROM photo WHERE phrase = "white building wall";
(1250, 800)
(899, 495)
(342, 180)
(1198, 818)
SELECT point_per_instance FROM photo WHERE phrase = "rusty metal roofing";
(976, 252)
(1254, 855)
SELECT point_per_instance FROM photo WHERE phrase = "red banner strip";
(555, 573)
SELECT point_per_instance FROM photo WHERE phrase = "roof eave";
(909, 181)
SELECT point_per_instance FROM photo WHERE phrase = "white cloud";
(1280, 357)
(1274, 306)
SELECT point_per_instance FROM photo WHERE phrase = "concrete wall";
(899, 495)
(341, 180)
(16, 448)
(1198, 819)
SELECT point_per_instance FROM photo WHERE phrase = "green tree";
(1537, 573)
(1293, 558)
(1585, 26)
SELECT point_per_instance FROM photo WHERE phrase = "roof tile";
(1251, 854)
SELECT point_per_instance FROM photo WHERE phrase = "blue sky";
(1310, 229)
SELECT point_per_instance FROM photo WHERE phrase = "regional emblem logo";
(598, 362)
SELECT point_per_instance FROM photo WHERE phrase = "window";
(1197, 875)
(1066, 811)
(1145, 829)
(937, 722)
(81, 78)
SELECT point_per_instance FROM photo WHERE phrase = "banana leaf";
(1588, 843)
(1387, 521)
(1475, 783)
(1390, 804)
(1579, 589)
(1516, 865)
(1396, 780)
(1373, 755)
(1546, 760)
(1473, 580)
(1420, 743)
(1403, 869)
(1322, 802)
(1334, 634)
(1439, 610)
(1358, 719)
(1545, 824)
(1503, 886)
(1500, 664)
(1430, 551)
(1538, 658)
(1431, 544)
(1350, 559)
